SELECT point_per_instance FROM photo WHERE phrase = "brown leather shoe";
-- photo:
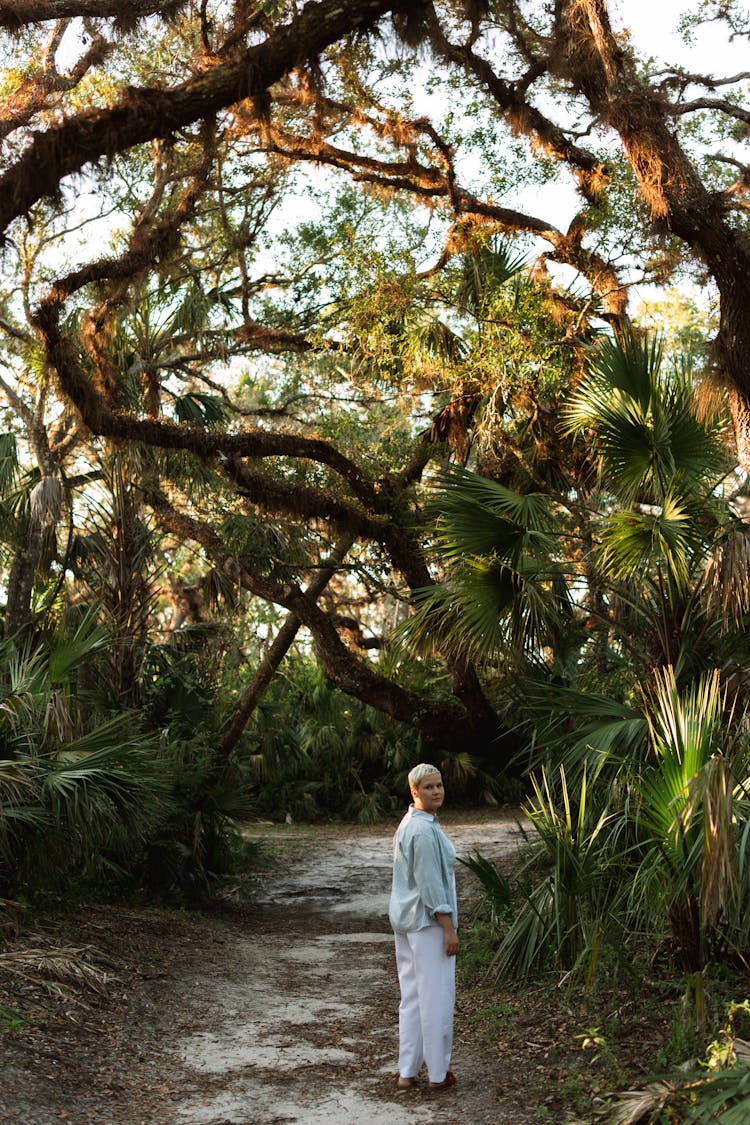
(449, 1080)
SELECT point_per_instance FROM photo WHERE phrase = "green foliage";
(115, 563)
(483, 273)
(198, 841)
(503, 587)
(692, 803)
(651, 443)
(317, 753)
(200, 409)
(495, 887)
(657, 850)
(12, 1020)
(180, 682)
(575, 911)
(95, 799)
(641, 836)
(80, 792)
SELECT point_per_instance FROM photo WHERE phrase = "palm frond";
(106, 783)
(435, 338)
(68, 654)
(634, 541)
(634, 1106)
(576, 728)
(486, 270)
(71, 964)
(197, 408)
(576, 911)
(454, 487)
(495, 886)
(650, 439)
(485, 607)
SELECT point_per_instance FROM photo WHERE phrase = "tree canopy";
(268, 265)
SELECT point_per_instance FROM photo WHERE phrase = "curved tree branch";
(101, 419)
(282, 642)
(443, 723)
(20, 13)
(143, 114)
(729, 109)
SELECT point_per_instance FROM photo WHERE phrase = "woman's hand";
(450, 937)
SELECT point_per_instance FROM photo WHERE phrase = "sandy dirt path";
(280, 1011)
(293, 1018)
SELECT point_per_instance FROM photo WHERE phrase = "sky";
(653, 24)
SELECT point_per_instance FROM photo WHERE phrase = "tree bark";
(21, 582)
(670, 185)
(144, 114)
(281, 644)
(20, 13)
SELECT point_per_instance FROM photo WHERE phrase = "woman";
(424, 916)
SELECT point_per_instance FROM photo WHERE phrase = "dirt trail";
(277, 1013)
(297, 1020)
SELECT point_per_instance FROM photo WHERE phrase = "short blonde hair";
(424, 769)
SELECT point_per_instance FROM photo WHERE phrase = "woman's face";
(428, 793)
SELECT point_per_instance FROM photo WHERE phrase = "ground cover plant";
(634, 906)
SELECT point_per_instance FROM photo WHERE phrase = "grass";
(12, 1020)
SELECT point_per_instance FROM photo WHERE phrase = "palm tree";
(113, 556)
(77, 787)
(504, 587)
(516, 566)
(650, 789)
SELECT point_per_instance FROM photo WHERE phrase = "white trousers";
(428, 993)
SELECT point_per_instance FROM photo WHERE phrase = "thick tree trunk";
(21, 582)
(670, 185)
(740, 407)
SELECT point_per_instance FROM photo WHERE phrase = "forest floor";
(279, 1010)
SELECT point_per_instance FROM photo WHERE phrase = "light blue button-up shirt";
(424, 882)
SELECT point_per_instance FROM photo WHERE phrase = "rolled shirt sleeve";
(423, 874)
(428, 874)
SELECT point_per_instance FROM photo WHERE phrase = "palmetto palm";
(485, 271)
(75, 787)
(504, 587)
(659, 463)
(663, 853)
(576, 911)
(663, 539)
(694, 820)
